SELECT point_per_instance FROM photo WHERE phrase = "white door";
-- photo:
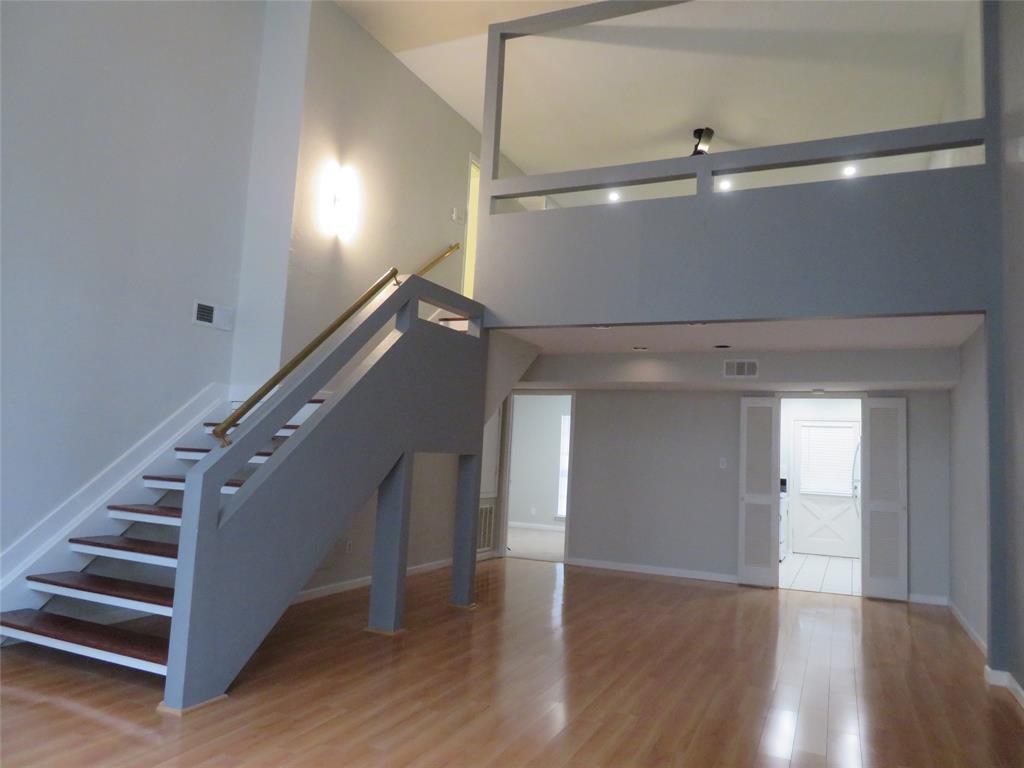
(759, 492)
(824, 508)
(884, 528)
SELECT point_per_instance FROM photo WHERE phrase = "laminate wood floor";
(560, 666)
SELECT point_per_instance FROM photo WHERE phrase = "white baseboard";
(655, 570)
(929, 599)
(364, 581)
(971, 633)
(56, 526)
(1005, 680)
(537, 526)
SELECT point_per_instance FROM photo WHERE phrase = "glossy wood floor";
(560, 666)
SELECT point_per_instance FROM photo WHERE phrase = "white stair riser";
(95, 597)
(120, 554)
(197, 455)
(173, 485)
(84, 650)
(138, 517)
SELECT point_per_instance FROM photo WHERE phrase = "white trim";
(348, 585)
(96, 597)
(179, 485)
(123, 554)
(537, 526)
(57, 526)
(84, 650)
(198, 454)
(971, 632)
(1005, 680)
(929, 599)
(140, 517)
(653, 570)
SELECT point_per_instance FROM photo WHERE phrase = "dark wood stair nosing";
(124, 589)
(156, 510)
(129, 544)
(107, 638)
(234, 482)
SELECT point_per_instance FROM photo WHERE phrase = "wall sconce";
(340, 201)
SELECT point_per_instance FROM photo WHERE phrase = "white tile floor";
(817, 573)
(533, 544)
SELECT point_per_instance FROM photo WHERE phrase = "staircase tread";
(103, 637)
(128, 544)
(147, 509)
(105, 585)
(234, 482)
(191, 449)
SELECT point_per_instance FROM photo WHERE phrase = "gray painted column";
(390, 548)
(467, 505)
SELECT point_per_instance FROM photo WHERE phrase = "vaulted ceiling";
(633, 88)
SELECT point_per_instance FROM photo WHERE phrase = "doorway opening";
(538, 476)
(820, 495)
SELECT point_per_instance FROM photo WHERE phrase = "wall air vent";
(213, 316)
(740, 369)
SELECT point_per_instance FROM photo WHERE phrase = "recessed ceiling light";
(602, 327)
(723, 346)
(725, 185)
(613, 196)
(818, 391)
(639, 349)
(850, 170)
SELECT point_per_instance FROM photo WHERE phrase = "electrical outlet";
(348, 546)
(722, 463)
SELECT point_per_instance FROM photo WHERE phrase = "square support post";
(467, 505)
(390, 548)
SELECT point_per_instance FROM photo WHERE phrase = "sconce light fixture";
(340, 201)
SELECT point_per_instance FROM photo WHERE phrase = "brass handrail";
(438, 259)
(221, 430)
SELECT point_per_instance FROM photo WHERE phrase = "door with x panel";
(824, 506)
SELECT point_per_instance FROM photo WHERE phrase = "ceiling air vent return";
(740, 369)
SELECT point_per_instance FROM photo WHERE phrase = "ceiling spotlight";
(725, 185)
(602, 327)
(613, 197)
(639, 349)
(849, 170)
(703, 137)
(723, 346)
(818, 391)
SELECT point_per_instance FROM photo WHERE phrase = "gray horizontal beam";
(881, 144)
(578, 15)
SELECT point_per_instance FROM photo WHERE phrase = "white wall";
(969, 490)
(126, 135)
(533, 463)
(647, 488)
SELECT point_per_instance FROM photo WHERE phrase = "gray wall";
(533, 463)
(647, 488)
(126, 135)
(645, 484)
(928, 478)
(411, 151)
(362, 107)
(1013, 286)
(969, 524)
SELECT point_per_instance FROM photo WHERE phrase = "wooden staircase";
(111, 643)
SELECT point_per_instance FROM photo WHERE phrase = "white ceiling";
(924, 332)
(633, 88)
